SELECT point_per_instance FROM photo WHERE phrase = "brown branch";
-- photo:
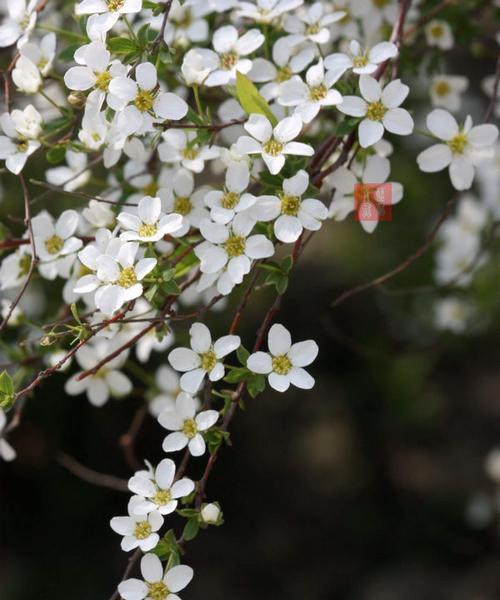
(91, 476)
(127, 440)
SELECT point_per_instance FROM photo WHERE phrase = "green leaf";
(256, 384)
(287, 264)
(56, 155)
(250, 99)
(191, 529)
(68, 53)
(236, 375)
(151, 293)
(120, 45)
(170, 287)
(242, 354)
(346, 126)
(7, 395)
(56, 124)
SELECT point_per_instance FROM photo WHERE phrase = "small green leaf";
(56, 155)
(7, 395)
(242, 353)
(68, 53)
(151, 293)
(191, 529)
(236, 375)
(250, 99)
(170, 287)
(287, 264)
(120, 45)
(256, 384)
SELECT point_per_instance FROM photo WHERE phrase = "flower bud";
(77, 99)
(211, 514)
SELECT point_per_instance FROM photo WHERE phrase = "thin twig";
(91, 476)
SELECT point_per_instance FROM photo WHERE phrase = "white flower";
(157, 490)
(289, 58)
(19, 24)
(149, 225)
(186, 23)
(109, 11)
(148, 103)
(183, 200)
(55, 240)
(70, 177)
(108, 381)
(168, 384)
(224, 205)
(446, 89)
(211, 514)
(7, 452)
(284, 363)
(362, 62)
(310, 96)
(462, 150)
(15, 267)
(452, 314)
(22, 128)
(179, 147)
(139, 531)
(374, 13)
(312, 23)
(228, 57)
(204, 357)
(157, 584)
(292, 214)
(231, 246)
(34, 62)
(186, 425)
(376, 171)
(380, 109)
(273, 144)
(438, 33)
(193, 68)
(266, 11)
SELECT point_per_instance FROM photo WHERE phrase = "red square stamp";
(373, 202)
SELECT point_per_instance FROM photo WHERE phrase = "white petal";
(151, 568)
(370, 132)
(182, 488)
(133, 589)
(370, 88)
(300, 378)
(288, 129)
(435, 158)
(461, 173)
(279, 340)
(206, 419)
(184, 359)
(174, 441)
(442, 124)
(226, 344)
(178, 578)
(260, 362)
(287, 229)
(394, 94)
(201, 340)
(191, 381)
(280, 383)
(353, 106)
(165, 473)
(304, 353)
(398, 120)
(259, 127)
(197, 445)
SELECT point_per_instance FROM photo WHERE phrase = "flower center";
(54, 244)
(102, 81)
(235, 246)
(24, 24)
(144, 100)
(230, 200)
(281, 364)
(290, 205)
(147, 230)
(437, 31)
(229, 60)
(318, 93)
(127, 278)
(142, 530)
(114, 5)
(22, 146)
(442, 88)
(42, 63)
(376, 111)
(458, 143)
(157, 590)
(184, 20)
(273, 147)
(284, 74)
(24, 265)
(151, 189)
(182, 205)
(313, 29)
(381, 3)
(190, 153)
(189, 428)
(208, 361)
(162, 497)
(360, 61)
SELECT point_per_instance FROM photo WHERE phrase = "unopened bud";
(211, 514)
(77, 99)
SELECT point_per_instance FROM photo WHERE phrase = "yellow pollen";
(273, 147)
(284, 74)
(144, 100)
(437, 31)
(54, 244)
(235, 246)
(147, 230)
(142, 530)
(25, 22)
(182, 205)
(313, 29)
(114, 5)
(208, 361)
(281, 364)
(22, 146)
(360, 61)
(151, 189)
(229, 60)
(442, 88)
(162, 497)
(189, 428)
(157, 590)
(102, 81)
(230, 200)
(127, 278)
(318, 93)
(42, 63)
(290, 205)
(96, 137)
(24, 264)
(458, 143)
(376, 111)
(190, 153)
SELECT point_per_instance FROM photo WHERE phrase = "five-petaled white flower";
(284, 362)
(22, 129)
(265, 11)
(158, 584)
(224, 205)
(138, 531)
(461, 150)
(19, 24)
(149, 225)
(380, 109)
(439, 33)
(273, 143)
(203, 358)
(292, 214)
(186, 425)
(362, 62)
(109, 11)
(157, 490)
(446, 89)
(312, 23)
(181, 147)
